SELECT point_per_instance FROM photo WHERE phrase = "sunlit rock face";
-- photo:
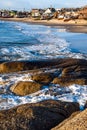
(41, 116)
(74, 122)
(25, 88)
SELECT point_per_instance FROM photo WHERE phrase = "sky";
(28, 4)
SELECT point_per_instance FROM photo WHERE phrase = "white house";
(49, 11)
(37, 12)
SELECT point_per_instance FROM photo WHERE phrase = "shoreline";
(72, 26)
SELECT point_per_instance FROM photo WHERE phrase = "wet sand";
(77, 26)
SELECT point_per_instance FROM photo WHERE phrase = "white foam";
(41, 51)
(45, 42)
(73, 93)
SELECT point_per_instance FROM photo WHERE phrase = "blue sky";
(28, 4)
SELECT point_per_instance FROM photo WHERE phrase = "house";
(21, 14)
(37, 13)
(49, 13)
(68, 15)
(74, 15)
(5, 14)
(13, 13)
(57, 12)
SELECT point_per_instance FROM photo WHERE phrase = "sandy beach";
(78, 26)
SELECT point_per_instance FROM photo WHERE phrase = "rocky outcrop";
(16, 66)
(39, 116)
(78, 122)
(73, 71)
(23, 88)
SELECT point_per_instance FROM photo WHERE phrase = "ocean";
(23, 41)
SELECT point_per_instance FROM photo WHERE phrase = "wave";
(59, 49)
(27, 42)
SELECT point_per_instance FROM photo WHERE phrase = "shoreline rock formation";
(39, 116)
(48, 114)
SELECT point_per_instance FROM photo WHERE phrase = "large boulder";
(23, 88)
(39, 116)
(78, 122)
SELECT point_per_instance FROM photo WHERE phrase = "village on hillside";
(64, 14)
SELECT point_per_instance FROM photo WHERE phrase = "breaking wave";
(20, 41)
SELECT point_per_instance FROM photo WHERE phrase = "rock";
(38, 116)
(72, 71)
(69, 70)
(78, 122)
(23, 88)
(43, 78)
(85, 106)
(66, 81)
(15, 66)
(81, 68)
(11, 66)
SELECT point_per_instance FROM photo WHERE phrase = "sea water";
(22, 41)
